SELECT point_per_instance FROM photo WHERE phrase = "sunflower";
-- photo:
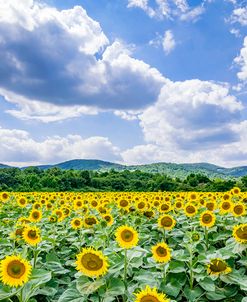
(124, 204)
(78, 204)
(59, 213)
(238, 209)
(31, 235)
(76, 223)
(149, 213)
(190, 209)
(53, 218)
(90, 221)
(218, 266)
(14, 271)
(161, 252)
(166, 222)
(126, 237)
(4, 196)
(225, 206)
(178, 204)
(165, 207)
(235, 191)
(207, 219)
(150, 295)
(22, 202)
(141, 205)
(108, 218)
(92, 263)
(240, 233)
(49, 205)
(211, 205)
(35, 216)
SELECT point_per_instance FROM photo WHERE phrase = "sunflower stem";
(206, 237)
(191, 268)
(35, 254)
(165, 273)
(125, 273)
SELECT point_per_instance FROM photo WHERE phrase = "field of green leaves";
(140, 247)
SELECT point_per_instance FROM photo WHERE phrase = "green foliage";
(56, 179)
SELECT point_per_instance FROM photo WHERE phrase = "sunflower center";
(141, 205)
(190, 209)
(32, 234)
(35, 215)
(238, 209)
(207, 218)
(123, 203)
(90, 221)
(77, 222)
(226, 196)
(210, 206)
(193, 196)
(165, 207)
(16, 269)
(94, 203)
(166, 221)
(161, 251)
(107, 218)
(217, 266)
(79, 204)
(242, 233)
(149, 298)
(91, 262)
(22, 201)
(5, 195)
(226, 205)
(127, 236)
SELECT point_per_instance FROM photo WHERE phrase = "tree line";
(55, 179)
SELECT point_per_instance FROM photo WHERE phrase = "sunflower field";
(124, 246)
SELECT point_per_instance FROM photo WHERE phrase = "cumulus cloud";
(168, 9)
(192, 121)
(18, 146)
(239, 15)
(241, 60)
(27, 109)
(70, 62)
(168, 42)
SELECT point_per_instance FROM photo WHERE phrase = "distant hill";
(171, 169)
(4, 166)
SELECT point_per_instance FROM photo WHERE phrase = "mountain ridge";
(172, 169)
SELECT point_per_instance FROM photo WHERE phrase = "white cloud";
(193, 14)
(241, 60)
(192, 121)
(168, 42)
(168, 9)
(239, 15)
(235, 32)
(70, 63)
(43, 112)
(19, 147)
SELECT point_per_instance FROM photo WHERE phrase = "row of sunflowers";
(125, 246)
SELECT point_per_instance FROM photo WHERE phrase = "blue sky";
(130, 81)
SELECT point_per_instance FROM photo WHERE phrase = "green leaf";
(87, 287)
(176, 267)
(212, 296)
(72, 295)
(7, 292)
(116, 287)
(56, 267)
(40, 276)
(192, 294)
(207, 284)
